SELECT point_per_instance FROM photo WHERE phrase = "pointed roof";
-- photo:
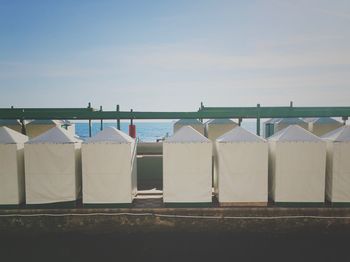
(294, 133)
(55, 135)
(239, 134)
(46, 122)
(220, 121)
(321, 120)
(11, 122)
(188, 122)
(110, 135)
(341, 134)
(290, 120)
(272, 121)
(187, 134)
(9, 136)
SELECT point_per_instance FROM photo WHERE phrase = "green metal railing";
(204, 112)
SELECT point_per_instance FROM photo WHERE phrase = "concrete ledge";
(274, 220)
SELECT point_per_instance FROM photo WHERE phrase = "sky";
(171, 55)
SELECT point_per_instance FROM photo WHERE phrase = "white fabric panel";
(338, 171)
(342, 134)
(9, 136)
(242, 172)
(298, 171)
(322, 129)
(54, 135)
(194, 123)
(187, 169)
(294, 133)
(110, 135)
(108, 173)
(52, 172)
(11, 174)
(187, 134)
(215, 129)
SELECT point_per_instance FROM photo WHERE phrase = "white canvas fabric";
(9, 136)
(194, 123)
(322, 125)
(110, 135)
(109, 168)
(217, 127)
(52, 167)
(338, 165)
(12, 124)
(241, 172)
(11, 167)
(38, 127)
(282, 123)
(297, 166)
(187, 134)
(55, 135)
(187, 167)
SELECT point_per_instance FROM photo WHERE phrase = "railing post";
(240, 121)
(90, 133)
(258, 120)
(118, 119)
(101, 125)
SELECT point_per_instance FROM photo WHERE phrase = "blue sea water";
(145, 131)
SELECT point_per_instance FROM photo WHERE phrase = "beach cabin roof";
(4, 122)
(220, 121)
(272, 120)
(55, 135)
(188, 122)
(110, 135)
(239, 134)
(46, 122)
(289, 121)
(294, 133)
(187, 134)
(321, 120)
(341, 134)
(9, 136)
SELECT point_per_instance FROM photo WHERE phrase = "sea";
(145, 131)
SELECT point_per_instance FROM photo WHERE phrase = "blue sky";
(170, 55)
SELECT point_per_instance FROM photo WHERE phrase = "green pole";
(258, 120)
(89, 106)
(101, 126)
(118, 120)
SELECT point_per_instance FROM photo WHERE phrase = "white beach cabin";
(338, 165)
(320, 126)
(52, 167)
(11, 166)
(215, 128)
(109, 168)
(187, 167)
(194, 123)
(241, 169)
(297, 161)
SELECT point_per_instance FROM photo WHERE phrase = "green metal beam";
(203, 113)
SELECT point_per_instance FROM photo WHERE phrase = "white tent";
(282, 123)
(322, 125)
(338, 165)
(194, 123)
(38, 127)
(11, 167)
(52, 167)
(109, 168)
(241, 168)
(187, 167)
(217, 127)
(12, 124)
(296, 166)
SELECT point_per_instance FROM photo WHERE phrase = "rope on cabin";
(176, 216)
